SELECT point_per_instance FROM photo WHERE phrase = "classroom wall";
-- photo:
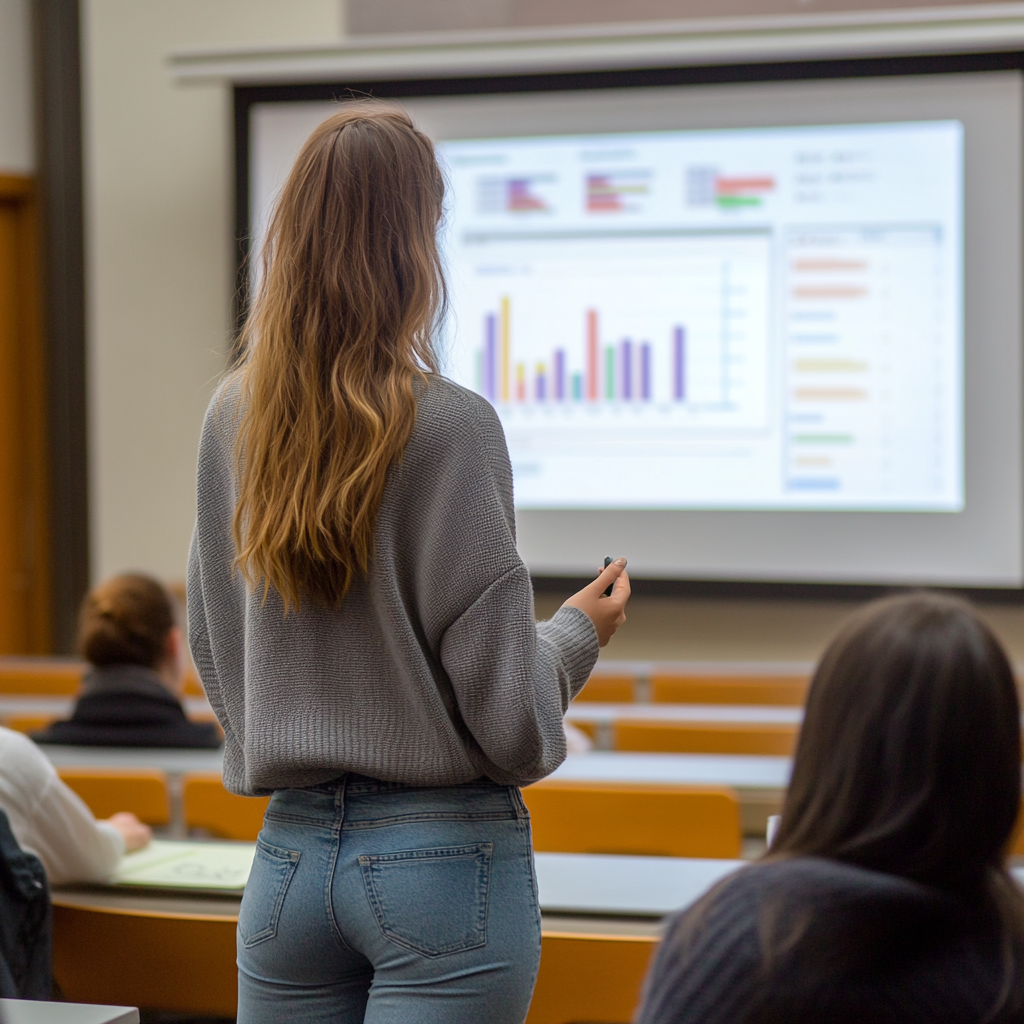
(379, 16)
(158, 253)
(158, 193)
(17, 154)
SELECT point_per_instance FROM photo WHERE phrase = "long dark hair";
(909, 763)
(909, 759)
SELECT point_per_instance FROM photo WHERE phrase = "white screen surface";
(732, 344)
(751, 318)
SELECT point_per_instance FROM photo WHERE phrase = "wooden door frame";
(19, 194)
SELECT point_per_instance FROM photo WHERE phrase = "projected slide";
(757, 318)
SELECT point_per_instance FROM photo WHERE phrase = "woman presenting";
(363, 623)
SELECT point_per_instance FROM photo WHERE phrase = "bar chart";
(618, 372)
(674, 329)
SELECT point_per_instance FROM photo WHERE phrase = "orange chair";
(785, 690)
(193, 687)
(35, 676)
(208, 805)
(634, 818)
(29, 723)
(707, 737)
(609, 690)
(143, 791)
(589, 977)
(172, 961)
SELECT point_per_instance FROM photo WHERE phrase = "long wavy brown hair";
(341, 329)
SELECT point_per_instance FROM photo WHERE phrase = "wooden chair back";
(609, 690)
(143, 791)
(208, 805)
(779, 690)
(175, 962)
(29, 723)
(778, 738)
(41, 676)
(634, 818)
(589, 977)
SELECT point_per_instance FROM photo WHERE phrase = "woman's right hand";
(136, 835)
(606, 613)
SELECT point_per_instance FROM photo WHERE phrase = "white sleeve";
(50, 820)
(71, 843)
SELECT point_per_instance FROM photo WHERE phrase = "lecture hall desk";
(600, 922)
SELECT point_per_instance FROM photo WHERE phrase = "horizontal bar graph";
(618, 371)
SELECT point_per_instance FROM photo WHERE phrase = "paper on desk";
(170, 865)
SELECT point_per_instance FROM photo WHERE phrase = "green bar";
(609, 373)
(822, 438)
(729, 202)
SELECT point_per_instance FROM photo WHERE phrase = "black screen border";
(246, 96)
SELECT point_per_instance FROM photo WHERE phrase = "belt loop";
(339, 799)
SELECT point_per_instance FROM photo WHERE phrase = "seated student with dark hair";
(131, 693)
(885, 896)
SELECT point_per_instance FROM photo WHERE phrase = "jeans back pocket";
(272, 870)
(432, 901)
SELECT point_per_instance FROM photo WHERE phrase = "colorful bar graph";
(616, 371)
(679, 364)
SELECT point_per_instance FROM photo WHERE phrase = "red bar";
(730, 185)
(592, 354)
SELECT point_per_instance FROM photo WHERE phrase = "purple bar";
(490, 357)
(645, 371)
(540, 386)
(627, 368)
(679, 367)
(560, 375)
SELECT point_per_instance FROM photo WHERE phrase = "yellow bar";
(505, 347)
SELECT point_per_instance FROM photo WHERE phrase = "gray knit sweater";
(433, 671)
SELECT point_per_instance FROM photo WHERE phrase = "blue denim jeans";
(378, 902)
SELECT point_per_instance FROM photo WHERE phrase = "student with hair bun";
(128, 635)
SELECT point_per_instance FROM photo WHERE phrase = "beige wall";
(16, 144)
(659, 628)
(375, 16)
(160, 276)
(158, 236)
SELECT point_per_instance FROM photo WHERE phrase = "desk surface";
(61, 707)
(30, 1011)
(174, 762)
(591, 885)
(741, 771)
(591, 711)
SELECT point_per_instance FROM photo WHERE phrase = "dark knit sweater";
(128, 706)
(864, 947)
(433, 671)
